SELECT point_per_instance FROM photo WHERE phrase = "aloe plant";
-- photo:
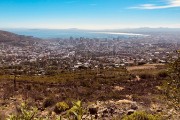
(25, 114)
(77, 111)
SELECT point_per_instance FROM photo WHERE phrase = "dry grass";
(144, 67)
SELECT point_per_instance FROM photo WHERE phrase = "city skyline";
(89, 14)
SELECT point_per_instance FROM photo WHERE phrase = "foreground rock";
(112, 109)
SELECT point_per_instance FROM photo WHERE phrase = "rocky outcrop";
(112, 109)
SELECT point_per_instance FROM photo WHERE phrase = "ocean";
(67, 33)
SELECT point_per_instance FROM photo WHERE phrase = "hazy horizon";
(21, 28)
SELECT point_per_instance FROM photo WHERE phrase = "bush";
(48, 102)
(146, 76)
(141, 63)
(25, 114)
(132, 76)
(141, 116)
(76, 111)
(51, 72)
(61, 107)
(173, 84)
(162, 74)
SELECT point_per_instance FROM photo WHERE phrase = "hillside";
(14, 39)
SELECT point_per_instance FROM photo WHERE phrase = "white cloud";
(169, 4)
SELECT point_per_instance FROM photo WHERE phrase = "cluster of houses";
(82, 53)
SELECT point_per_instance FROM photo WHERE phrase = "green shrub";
(61, 107)
(141, 116)
(25, 114)
(76, 111)
(173, 85)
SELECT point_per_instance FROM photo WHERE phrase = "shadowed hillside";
(14, 39)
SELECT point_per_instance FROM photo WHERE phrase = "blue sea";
(67, 33)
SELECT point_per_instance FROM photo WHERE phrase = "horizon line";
(91, 29)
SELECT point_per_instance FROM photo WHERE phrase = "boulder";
(131, 111)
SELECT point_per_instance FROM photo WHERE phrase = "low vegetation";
(24, 113)
(55, 93)
(142, 116)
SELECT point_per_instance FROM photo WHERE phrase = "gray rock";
(131, 111)
(134, 106)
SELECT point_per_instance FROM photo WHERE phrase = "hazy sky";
(89, 14)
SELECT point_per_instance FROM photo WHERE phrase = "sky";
(89, 14)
